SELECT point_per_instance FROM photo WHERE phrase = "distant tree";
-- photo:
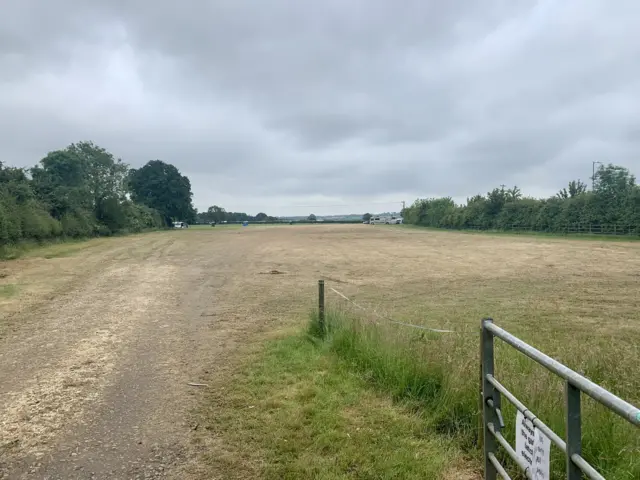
(613, 203)
(238, 217)
(216, 214)
(160, 185)
(495, 201)
(613, 181)
(312, 218)
(613, 186)
(513, 194)
(575, 188)
(366, 217)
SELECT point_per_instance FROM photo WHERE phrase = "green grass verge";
(298, 411)
(25, 248)
(436, 375)
(54, 248)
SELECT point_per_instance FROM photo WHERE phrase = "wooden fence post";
(321, 306)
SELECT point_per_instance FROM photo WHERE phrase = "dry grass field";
(99, 340)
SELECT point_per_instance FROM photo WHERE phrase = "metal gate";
(492, 392)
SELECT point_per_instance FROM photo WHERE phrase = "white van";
(377, 220)
(385, 220)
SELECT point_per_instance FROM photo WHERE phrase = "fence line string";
(388, 319)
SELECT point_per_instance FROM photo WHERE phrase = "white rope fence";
(389, 319)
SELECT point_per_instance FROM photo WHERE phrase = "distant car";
(180, 225)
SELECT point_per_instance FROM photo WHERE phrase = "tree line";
(613, 200)
(83, 190)
(216, 214)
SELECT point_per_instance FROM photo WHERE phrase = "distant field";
(90, 320)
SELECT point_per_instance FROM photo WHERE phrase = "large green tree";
(105, 176)
(160, 185)
(83, 185)
(78, 191)
(60, 181)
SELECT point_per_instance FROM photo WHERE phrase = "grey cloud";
(367, 99)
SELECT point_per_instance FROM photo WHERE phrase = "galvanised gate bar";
(575, 384)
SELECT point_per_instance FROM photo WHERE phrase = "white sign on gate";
(542, 456)
(525, 438)
(533, 447)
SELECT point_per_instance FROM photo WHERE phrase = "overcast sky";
(268, 104)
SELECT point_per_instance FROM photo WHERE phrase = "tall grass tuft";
(436, 375)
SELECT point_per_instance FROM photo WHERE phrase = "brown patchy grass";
(44, 273)
(533, 286)
(574, 299)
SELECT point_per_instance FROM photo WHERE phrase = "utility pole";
(593, 173)
(403, 205)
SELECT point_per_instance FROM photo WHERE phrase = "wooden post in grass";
(321, 305)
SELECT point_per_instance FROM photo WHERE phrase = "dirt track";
(98, 345)
(98, 348)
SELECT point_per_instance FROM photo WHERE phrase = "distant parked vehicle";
(385, 220)
(180, 225)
